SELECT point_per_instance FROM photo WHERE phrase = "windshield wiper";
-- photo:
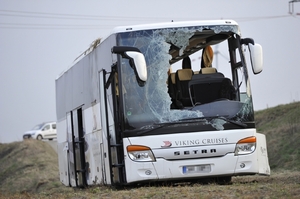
(233, 122)
(200, 118)
(217, 117)
(156, 126)
(189, 120)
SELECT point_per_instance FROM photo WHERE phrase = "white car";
(46, 130)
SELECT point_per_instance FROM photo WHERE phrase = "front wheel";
(39, 137)
(223, 180)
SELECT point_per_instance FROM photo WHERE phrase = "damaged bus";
(125, 116)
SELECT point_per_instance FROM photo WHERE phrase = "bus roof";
(130, 28)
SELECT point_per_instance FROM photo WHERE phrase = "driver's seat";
(207, 88)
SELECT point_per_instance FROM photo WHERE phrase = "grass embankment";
(29, 166)
(281, 125)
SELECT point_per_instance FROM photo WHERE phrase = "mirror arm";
(122, 49)
(246, 41)
(111, 76)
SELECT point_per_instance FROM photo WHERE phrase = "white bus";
(125, 116)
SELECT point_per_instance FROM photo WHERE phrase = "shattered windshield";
(163, 48)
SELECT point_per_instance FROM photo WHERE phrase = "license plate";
(204, 168)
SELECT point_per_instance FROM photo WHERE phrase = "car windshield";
(38, 127)
(164, 50)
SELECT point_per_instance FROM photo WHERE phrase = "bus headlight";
(140, 153)
(245, 146)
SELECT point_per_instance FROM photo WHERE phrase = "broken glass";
(151, 103)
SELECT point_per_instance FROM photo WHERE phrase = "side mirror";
(256, 57)
(136, 60)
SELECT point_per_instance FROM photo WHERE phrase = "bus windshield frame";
(150, 105)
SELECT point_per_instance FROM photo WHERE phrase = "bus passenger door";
(76, 143)
(105, 147)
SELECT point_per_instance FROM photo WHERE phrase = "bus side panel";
(93, 158)
(93, 152)
(78, 87)
(62, 151)
(262, 154)
(63, 163)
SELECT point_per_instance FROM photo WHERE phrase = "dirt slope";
(28, 166)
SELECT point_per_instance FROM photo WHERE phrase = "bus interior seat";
(172, 90)
(182, 78)
(186, 63)
(205, 88)
(208, 70)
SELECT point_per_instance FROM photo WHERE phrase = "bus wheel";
(223, 180)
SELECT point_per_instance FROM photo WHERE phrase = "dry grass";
(281, 125)
(29, 170)
(29, 166)
(279, 185)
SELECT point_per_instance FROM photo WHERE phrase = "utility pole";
(291, 6)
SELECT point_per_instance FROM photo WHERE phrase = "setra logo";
(167, 144)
